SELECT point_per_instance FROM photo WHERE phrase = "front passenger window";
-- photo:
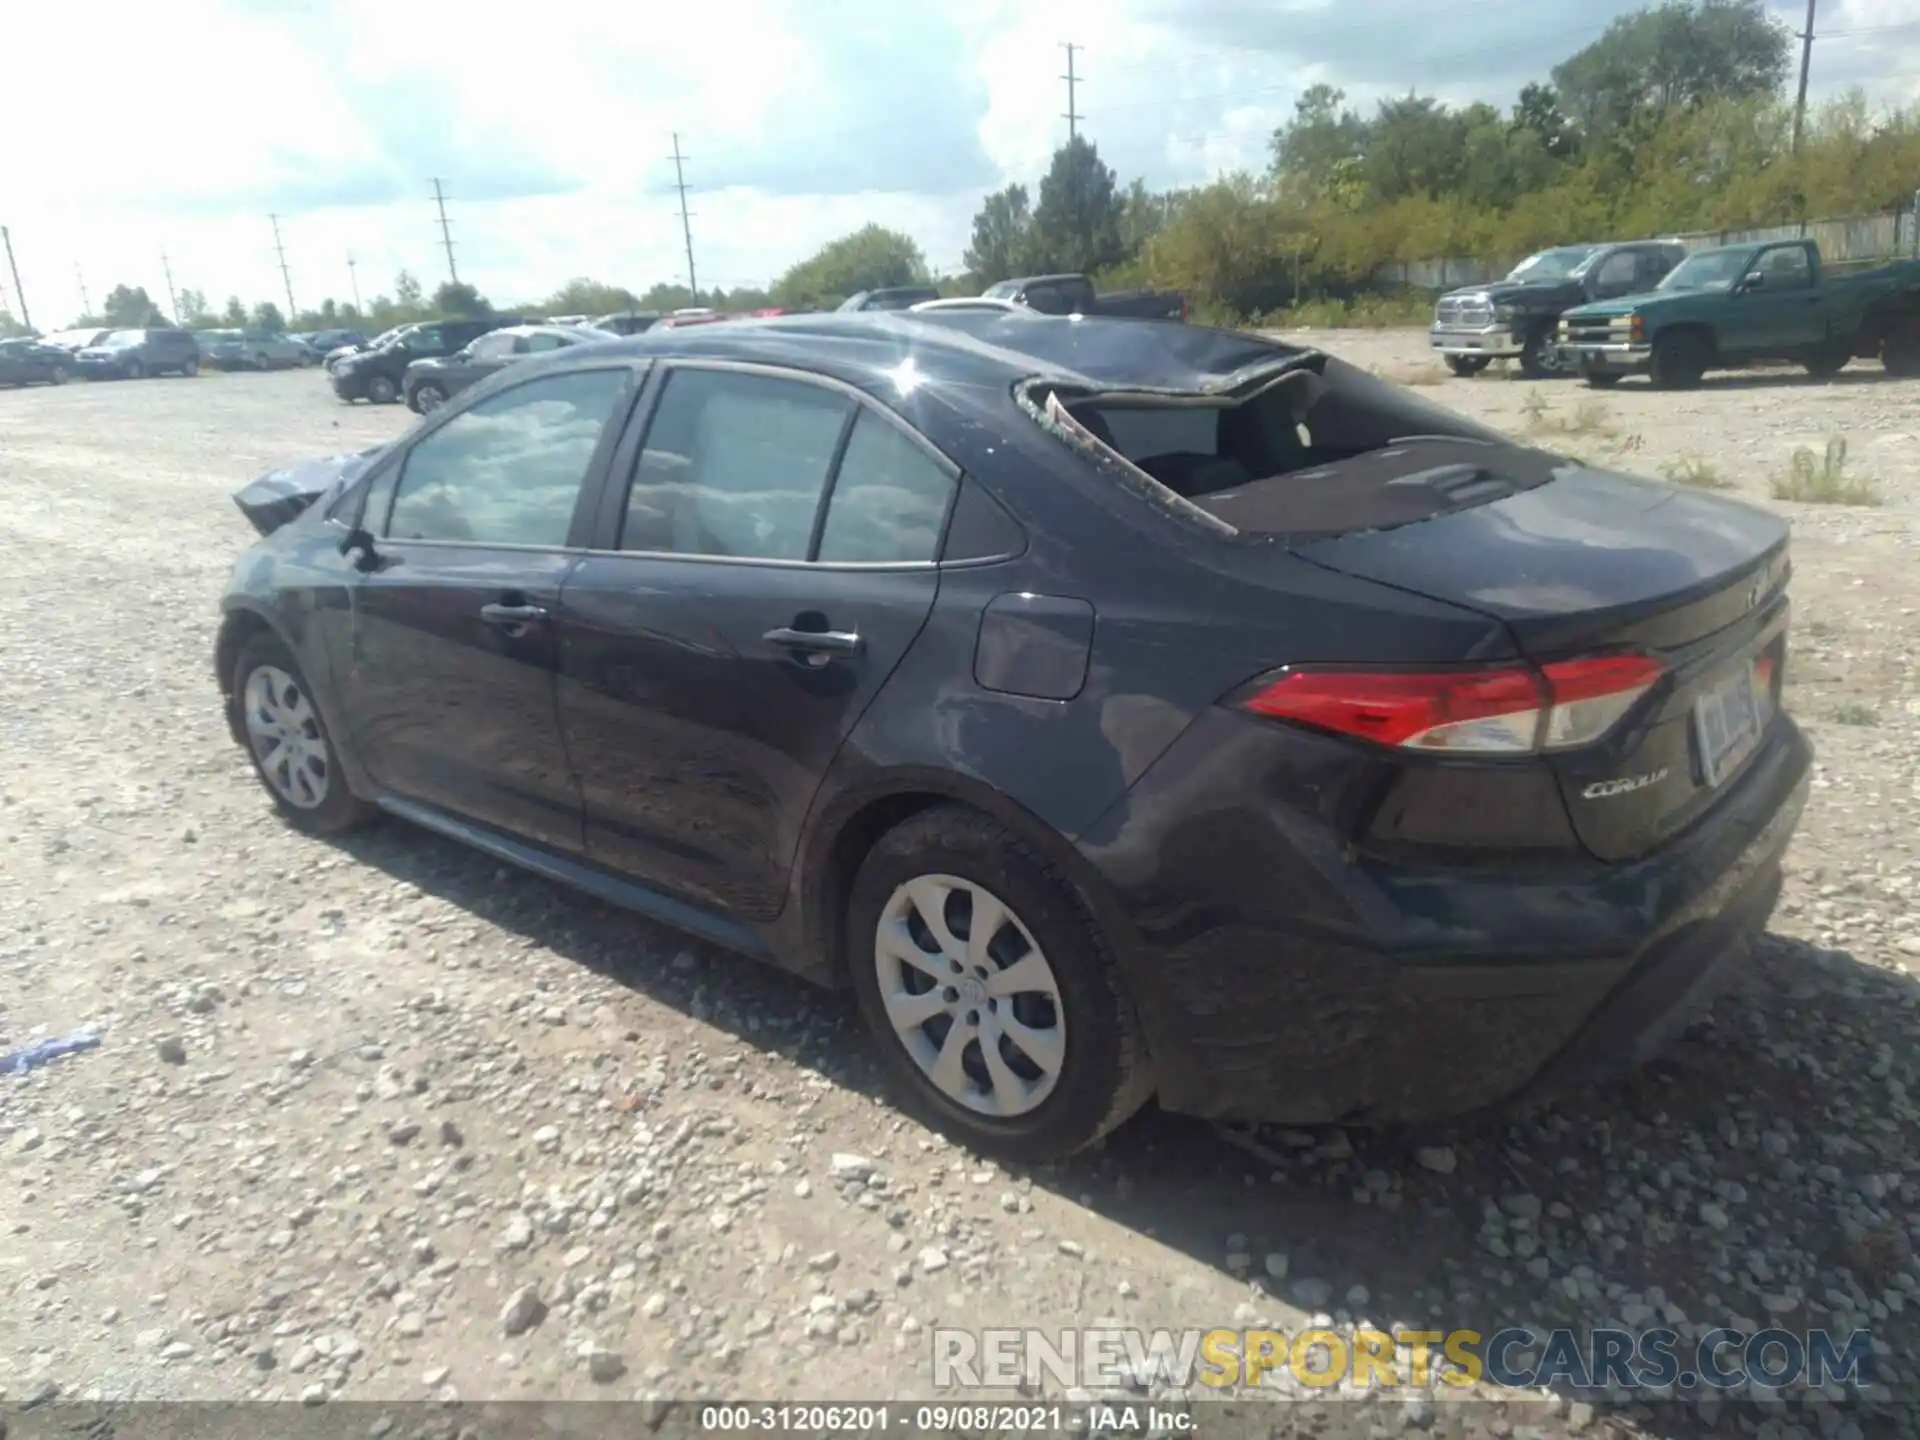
(507, 471)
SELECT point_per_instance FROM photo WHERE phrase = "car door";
(449, 675)
(761, 566)
(1777, 309)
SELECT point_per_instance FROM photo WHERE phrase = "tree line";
(1673, 120)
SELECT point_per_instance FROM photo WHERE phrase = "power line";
(1072, 117)
(6, 238)
(173, 295)
(286, 275)
(1806, 63)
(446, 233)
(686, 226)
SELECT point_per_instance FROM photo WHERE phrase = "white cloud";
(178, 128)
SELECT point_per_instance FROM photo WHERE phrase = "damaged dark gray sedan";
(1120, 710)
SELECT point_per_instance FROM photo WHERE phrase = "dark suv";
(378, 374)
(131, 354)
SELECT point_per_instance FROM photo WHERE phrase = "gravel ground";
(383, 1121)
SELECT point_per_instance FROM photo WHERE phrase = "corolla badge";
(1625, 785)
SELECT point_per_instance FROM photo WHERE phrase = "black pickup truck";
(1073, 295)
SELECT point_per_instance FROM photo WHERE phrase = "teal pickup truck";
(1725, 308)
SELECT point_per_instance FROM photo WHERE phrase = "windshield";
(124, 337)
(1709, 270)
(1563, 263)
(219, 337)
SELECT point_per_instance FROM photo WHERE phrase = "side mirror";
(1748, 283)
(359, 541)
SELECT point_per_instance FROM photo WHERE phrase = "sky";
(176, 130)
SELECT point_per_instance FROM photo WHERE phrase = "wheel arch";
(1690, 329)
(852, 823)
(240, 624)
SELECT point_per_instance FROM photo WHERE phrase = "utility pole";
(1072, 117)
(173, 295)
(86, 305)
(1806, 63)
(353, 278)
(686, 227)
(18, 293)
(286, 275)
(446, 235)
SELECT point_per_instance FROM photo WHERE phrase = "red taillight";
(1511, 710)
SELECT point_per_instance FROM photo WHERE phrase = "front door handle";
(513, 617)
(815, 642)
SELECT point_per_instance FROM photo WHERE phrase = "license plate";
(1727, 722)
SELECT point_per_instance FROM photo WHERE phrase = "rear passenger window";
(507, 471)
(889, 498)
(734, 464)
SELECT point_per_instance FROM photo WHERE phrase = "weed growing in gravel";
(1824, 481)
(1589, 417)
(1856, 715)
(1700, 474)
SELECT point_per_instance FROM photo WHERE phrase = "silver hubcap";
(971, 996)
(429, 399)
(285, 734)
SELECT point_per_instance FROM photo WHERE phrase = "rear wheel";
(135, 370)
(263, 361)
(288, 742)
(1900, 352)
(382, 391)
(59, 375)
(190, 369)
(1466, 366)
(1679, 360)
(428, 398)
(1602, 379)
(998, 1009)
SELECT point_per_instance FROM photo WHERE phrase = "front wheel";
(190, 369)
(428, 398)
(1540, 357)
(998, 1008)
(288, 741)
(1679, 361)
(135, 370)
(1829, 360)
(59, 375)
(382, 391)
(1467, 366)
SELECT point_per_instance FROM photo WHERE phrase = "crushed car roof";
(990, 348)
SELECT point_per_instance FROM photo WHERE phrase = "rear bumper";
(1281, 978)
(1496, 342)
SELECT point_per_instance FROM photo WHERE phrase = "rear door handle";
(513, 617)
(815, 642)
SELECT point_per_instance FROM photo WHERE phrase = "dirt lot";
(384, 1121)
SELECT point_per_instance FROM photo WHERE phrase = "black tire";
(135, 370)
(59, 375)
(1540, 357)
(1900, 353)
(1105, 1074)
(1829, 361)
(262, 361)
(190, 369)
(427, 397)
(1602, 379)
(1467, 366)
(382, 391)
(1679, 360)
(341, 810)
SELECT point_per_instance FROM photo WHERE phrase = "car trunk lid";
(1597, 562)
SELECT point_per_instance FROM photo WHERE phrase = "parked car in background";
(566, 320)
(255, 350)
(1518, 318)
(1074, 295)
(34, 362)
(429, 383)
(378, 373)
(134, 354)
(354, 345)
(1736, 304)
(964, 303)
(74, 341)
(1422, 770)
(898, 297)
(627, 322)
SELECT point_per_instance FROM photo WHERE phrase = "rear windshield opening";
(1278, 454)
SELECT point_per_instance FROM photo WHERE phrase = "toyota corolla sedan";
(1119, 711)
